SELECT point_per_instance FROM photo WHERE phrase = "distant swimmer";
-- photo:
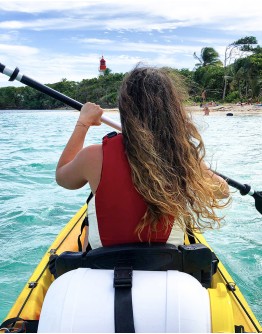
(230, 114)
(206, 111)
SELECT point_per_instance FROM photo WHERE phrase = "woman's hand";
(90, 114)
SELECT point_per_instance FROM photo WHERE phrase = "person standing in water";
(150, 182)
(206, 111)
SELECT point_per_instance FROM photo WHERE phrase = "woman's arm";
(71, 170)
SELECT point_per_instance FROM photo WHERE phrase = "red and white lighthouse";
(102, 66)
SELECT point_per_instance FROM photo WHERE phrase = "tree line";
(237, 79)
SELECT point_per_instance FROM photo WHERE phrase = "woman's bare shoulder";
(93, 154)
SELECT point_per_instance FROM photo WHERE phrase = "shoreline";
(247, 109)
(223, 109)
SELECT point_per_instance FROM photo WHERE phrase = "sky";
(57, 39)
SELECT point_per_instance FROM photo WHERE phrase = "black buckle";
(111, 134)
(123, 277)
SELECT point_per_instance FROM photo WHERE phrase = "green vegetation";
(102, 90)
(238, 78)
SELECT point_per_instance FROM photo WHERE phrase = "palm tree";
(209, 56)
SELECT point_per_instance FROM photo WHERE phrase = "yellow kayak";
(229, 310)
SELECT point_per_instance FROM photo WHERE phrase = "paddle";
(245, 189)
(14, 75)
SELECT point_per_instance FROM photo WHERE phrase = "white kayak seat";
(82, 300)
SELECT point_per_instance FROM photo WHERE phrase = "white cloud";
(32, 6)
(149, 14)
(46, 24)
(5, 38)
(167, 8)
(140, 46)
(96, 41)
(18, 50)
(113, 18)
(52, 69)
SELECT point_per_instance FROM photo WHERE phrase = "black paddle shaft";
(244, 189)
(15, 75)
(258, 201)
(51, 92)
(42, 88)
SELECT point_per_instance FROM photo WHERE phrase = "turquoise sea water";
(34, 208)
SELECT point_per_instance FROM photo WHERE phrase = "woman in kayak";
(150, 182)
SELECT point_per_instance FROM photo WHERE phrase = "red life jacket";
(119, 207)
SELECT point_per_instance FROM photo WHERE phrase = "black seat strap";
(124, 319)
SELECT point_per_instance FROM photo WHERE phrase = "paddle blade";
(258, 200)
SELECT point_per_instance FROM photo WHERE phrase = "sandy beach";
(235, 109)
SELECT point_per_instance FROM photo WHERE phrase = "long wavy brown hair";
(165, 150)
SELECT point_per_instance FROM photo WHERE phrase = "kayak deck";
(29, 303)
